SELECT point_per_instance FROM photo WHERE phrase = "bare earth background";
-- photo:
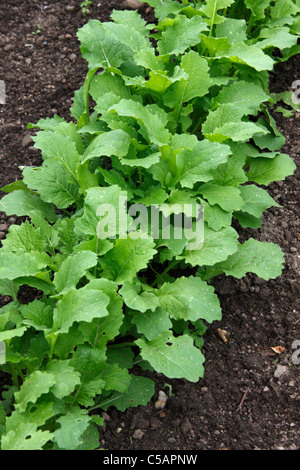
(246, 399)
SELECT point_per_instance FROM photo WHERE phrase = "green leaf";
(147, 118)
(215, 217)
(251, 55)
(227, 197)
(67, 342)
(124, 357)
(72, 427)
(281, 40)
(21, 203)
(106, 205)
(15, 186)
(245, 95)
(128, 36)
(99, 48)
(144, 162)
(33, 387)
(265, 170)
(232, 172)
(127, 258)
(88, 361)
(225, 123)
(36, 414)
(9, 334)
(189, 298)
(107, 144)
(48, 124)
(257, 200)
(173, 357)
(25, 437)
(196, 84)
(165, 8)
(90, 437)
(66, 378)
(8, 287)
(217, 247)
(115, 378)
(136, 298)
(283, 8)
(151, 323)
(258, 7)
(19, 264)
(37, 314)
(198, 164)
(140, 392)
(25, 238)
(211, 10)
(87, 391)
(233, 30)
(52, 181)
(83, 304)
(247, 220)
(262, 258)
(100, 331)
(131, 19)
(147, 59)
(184, 33)
(60, 148)
(47, 231)
(73, 269)
(106, 83)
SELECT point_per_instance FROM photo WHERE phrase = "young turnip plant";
(173, 118)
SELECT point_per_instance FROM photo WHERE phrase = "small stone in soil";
(2, 235)
(27, 141)
(280, 371)
(133, 4)
(171, 440)
(160, 404)
(186, 426)
(138, 434)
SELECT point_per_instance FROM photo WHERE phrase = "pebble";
(280, 371)
(105, 416)
(133, 4)
(160, 404)
(27, 141)
(73, 57)
(138, 434)
(70, 8)
(33, 150)
(186, 426)
(3, 227)
(171, 440)
(12, 220)
(2, 235)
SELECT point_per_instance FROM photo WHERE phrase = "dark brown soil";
(239, 404)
